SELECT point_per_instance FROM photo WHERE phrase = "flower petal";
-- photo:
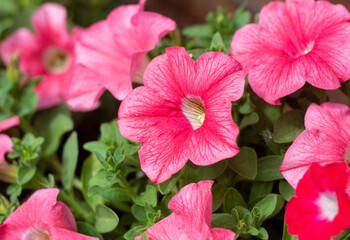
(5, 146)
(8, 123)
(222, 234)
(64, 234)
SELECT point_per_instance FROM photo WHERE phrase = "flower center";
(309, 47)
(36, 233)
(328, 204)
(56, 60)
(193, 108)
(347, 155)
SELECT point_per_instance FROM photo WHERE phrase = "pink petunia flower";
(191, 217)
(326, 139)
(320, 208)
(295, 42)
(48, 54)
(183, 111)
(5, 141)
(112, 53)
(41, 217)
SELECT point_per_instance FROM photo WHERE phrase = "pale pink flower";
(41, 217)
(112, 53)
(48, 54)
(295, 42)
(5, 141)
(320, 208)
(191, 217)
(183, 111)
(326, 139)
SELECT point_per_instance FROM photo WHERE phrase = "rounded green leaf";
(245, 163)
(106, 219)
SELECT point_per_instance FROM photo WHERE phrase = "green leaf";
(259, 189)
(263, 233)
(134, 232)
(245, 163)
(88, 230)
(150, 196)
(286, 190)
(248, 120)
(205, 172)
(233, 199)
(69, 160)
(25, 174)
(114, 194)
(222, 220)
(106, 219)
(289, 126)
(94, 146)
(52, 125)
(269, 168)
(28, 100)
(168, 185)
(139, 212)
(218, 191)
(270, 205)
(198, 31)
(217, 44)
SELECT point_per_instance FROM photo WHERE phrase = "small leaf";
(69, 160)
(106, 219)
(198, 31)
(289, 126)
(245, 163)
(88, 230)
(222, 220)
(168, 185)
(217, 44)
(150, 196)
(205, 172)
(233, 199)
(270, 205)
(269, 168)
(259, 189)
(218, 191)
(286, 190)
(248, 120)
(134, 232)
(25, 174)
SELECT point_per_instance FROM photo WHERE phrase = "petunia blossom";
(191, 217)
(183, 111)
(295, 42)
(112, 53)
(320, 208)
(41, 217)
(49, 53)
(5, 141)
(326, 139)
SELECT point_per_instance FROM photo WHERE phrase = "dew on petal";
(36, 233)
(328, 204)
(193, 108)
(56, 60)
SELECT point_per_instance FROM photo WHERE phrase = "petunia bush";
(118, 124)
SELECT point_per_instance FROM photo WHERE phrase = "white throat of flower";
(56, 60)
(193, 108)
(309, 47)
(36, 233)
(328, 205)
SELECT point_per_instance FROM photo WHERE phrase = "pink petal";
(222, 234)
(8, 123)
(42, 210)
(23, 42)
(52, 89)
(64, 234)
(194, 204)
(169, 228)
(5, 146)
(191, 236)
(171, 74)
(310, 147)
(84, 91)
(330, 118)
(216, 139)
(49, 22)
(218, 73)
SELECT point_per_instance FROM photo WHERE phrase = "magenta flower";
(48, 53)
(183, 111)
(191, 217)
(5, 141)
(112, 53)
(295, 42)
(320, 208)
(325, 140)
(41, 217)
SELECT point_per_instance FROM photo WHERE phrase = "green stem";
(126, 185)
(25, 125)
(74, 204)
